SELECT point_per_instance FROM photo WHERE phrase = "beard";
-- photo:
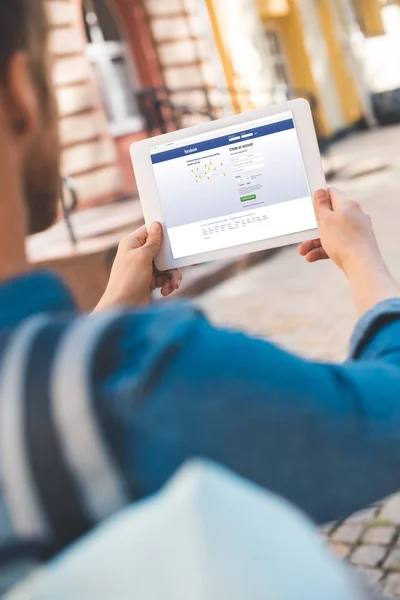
(42, 180)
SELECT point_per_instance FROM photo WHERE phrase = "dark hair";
(23, 26)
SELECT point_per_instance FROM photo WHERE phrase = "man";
(98, 411)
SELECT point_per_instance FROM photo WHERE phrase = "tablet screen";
(233, 186)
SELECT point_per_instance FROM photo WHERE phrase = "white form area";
(242, 228)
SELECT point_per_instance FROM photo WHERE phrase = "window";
(114, 72)
(279, 66)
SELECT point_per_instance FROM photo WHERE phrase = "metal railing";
(69, 202)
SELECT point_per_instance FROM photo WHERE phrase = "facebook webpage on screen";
(233, 186)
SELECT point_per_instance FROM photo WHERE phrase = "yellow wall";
(290, 28)
(345, 84)
(369, 12)
(224, 55)
(273, 8)
(242, 45)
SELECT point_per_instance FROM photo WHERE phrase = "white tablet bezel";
(150, 199)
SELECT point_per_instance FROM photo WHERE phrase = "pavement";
(308, 309)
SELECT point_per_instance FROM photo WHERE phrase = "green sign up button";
(247, 198)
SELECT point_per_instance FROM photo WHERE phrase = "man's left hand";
(133, 276)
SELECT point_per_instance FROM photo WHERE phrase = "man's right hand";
(346, 232)
(347, 237)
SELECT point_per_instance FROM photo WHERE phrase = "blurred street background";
(125, 70)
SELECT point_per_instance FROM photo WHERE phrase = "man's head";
(27, 107)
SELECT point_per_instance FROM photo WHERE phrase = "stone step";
(96, 229)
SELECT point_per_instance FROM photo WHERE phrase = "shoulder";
(149, 327)
(52, 345)
(77, 337)
(139, 342)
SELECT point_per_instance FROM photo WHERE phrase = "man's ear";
(21, 102)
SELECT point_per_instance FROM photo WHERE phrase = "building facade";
(127, 69)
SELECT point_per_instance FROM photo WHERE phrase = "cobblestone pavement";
(308, 309)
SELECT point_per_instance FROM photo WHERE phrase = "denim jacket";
(99, 411)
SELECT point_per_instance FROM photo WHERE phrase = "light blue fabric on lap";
(208, 535)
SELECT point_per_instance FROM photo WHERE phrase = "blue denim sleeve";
(327, 437)
(377, 332)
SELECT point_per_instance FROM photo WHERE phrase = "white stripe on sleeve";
(100, 483)
(18, 487)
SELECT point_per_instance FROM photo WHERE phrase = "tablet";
(241, 184)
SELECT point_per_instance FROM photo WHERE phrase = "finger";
(309, 245)
(163, 282)
(167, 289)
(154, 240)
(322, 203)
(160, 280)
(175, 277)
(338, 198)
(316, 255)
(136, 239)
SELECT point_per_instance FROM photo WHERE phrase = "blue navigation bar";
(227, 140)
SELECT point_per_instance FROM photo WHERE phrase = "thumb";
(322, 203)
(338, 198)
(154, 240)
